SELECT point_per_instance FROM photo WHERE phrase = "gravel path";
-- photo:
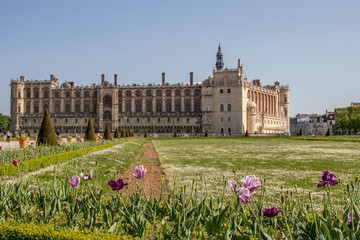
(12, 145)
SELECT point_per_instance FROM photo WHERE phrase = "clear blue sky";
(311, 45)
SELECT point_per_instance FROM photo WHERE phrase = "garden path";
(154, 173)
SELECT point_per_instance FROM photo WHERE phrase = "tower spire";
(219, 59)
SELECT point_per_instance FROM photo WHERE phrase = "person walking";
(8, 136)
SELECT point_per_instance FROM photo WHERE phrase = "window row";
(56, 94)
(158, 93)
(222, 91)
(222, 108)
(159, 107)
(57, 108)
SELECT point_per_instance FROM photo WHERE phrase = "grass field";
(283, 162)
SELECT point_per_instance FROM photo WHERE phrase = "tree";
(90, 133)
(29, 134)
(4, 123)
(301, 133)
(247, 133)
(127, 133)
(116, 133)
(47, 134)
(145, 135)
(107, 133)
(123, 133)
(14, 134)
(206, 133)
(175, 134)
(328, 133)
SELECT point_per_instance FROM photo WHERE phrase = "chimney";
(102, 78)
(163, 79)
(191, 78)
(22, 78)
(52, 77)
(115, 79)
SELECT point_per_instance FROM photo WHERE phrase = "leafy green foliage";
(123, 133)
(107, 133)
(348, 118)
(47, 134)
(4, 123)
(29, 133)
(247, 133)
(145, 135)
(90, 133)
(175, 134)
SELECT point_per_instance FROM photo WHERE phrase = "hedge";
(37, 163)
(32, 232)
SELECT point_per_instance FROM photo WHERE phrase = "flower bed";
(33, 164)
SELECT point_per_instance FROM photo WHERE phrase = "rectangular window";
(221, 91)
(229, 90)
(221, 119)
(229, 119)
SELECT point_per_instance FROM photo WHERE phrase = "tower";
(219, 59)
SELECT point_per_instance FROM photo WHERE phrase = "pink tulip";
(139, 172)
(15, 162)
(251, 182)
(75, 181)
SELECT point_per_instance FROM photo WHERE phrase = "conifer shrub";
(145, 135)
(175, 134)
(90, 133)
(246, 133)
(47, 134)
(29, 134)
(328, 133)
(127, 133)
(301, 133)
(107, 133)
(116, 133)
(14, 134)
(123, 133)
(206, 133)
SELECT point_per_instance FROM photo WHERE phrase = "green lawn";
(283, 162)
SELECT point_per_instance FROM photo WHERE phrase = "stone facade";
(313, 124)
(224, 103)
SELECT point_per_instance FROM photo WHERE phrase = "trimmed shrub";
(246, 133)
(328, 133)
(14, 134)
(29, 134)
(90, 133)
(175, 134)
(32, 232)
(127, 133)
(116, 133)
(47, 135)
(107, 133)
(123, 133)
(206, 133)
(145, 135)
(301, 133)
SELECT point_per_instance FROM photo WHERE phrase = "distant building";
(226, 103)
(313, 124)
(354, 104)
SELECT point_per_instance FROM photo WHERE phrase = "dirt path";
(154, 173)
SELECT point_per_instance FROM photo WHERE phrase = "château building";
(226, 102)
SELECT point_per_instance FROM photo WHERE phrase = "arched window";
(229, 107)
(67, 108)
(158, 93)
(46, 95)
(87, 108)
(107, 101)
(128, 107)
(57, 108)
(148, 94)
(187, 93)
(77, 108)
(67, 95)
(57, 95)
(27, 108)
(177, 93)
(28, 94)
(221, 107)
(19, 95)
(107, 115)
(77, 95)
(36, 109)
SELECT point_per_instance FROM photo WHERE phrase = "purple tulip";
(251, 182)
(328, 178)
(58, 145)
(0, 148)
(75, 181)
(271, 212)
(32, 143)
(232, 184)
(117, 185)
(245, 195)
(34, 148)
(350, 218)
(15, 162)
(46, 148)
(86, 177)
(79, 200)
(139, 172)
